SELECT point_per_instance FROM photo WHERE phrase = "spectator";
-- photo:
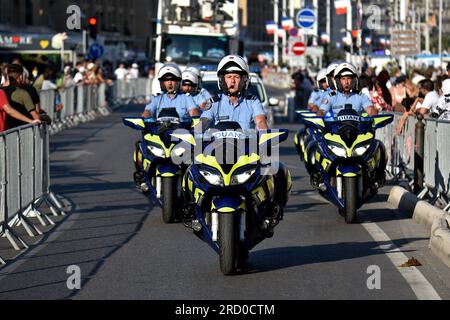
(448, 70)
(133, 72)
(18, 98)
(377, 98)
(68, 81)
(382, 79)
(365, 85)
(398, 93)
(121, 72)
(79, 75)
(7, 110)
(443, 107)
(47, 83)
(427, 100)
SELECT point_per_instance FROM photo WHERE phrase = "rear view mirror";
(274, 102)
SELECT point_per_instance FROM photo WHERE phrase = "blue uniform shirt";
(317, 97)
(182, 102)
(201, 97)
(337, 102)
(244, 112)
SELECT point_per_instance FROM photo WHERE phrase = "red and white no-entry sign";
(298, 48)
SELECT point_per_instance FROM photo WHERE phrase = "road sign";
(306, 18)
(96, 50)
(405, 43)
(298, 48)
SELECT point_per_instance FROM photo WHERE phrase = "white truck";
(195, 33)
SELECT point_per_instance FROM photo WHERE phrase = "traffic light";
(92, 22)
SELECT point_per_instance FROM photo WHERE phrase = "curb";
(440, 239)
(424, 213)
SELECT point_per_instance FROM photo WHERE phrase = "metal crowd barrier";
(133, 91)
(25, 182)
(79, 104)
(401, 148)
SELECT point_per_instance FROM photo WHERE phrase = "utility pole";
(316, 25)
(440, 32)
(275, 35)
(427, 30)
(283, 52)
(403, 27)
(349, 28)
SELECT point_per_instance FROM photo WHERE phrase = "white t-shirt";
(121, 73)
(78, 77)
(443, 108)
(430, 101)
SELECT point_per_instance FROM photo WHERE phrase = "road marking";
(418, 283)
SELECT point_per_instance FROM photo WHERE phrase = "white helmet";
(346, 69)
(321, 75)
(169, 71)
(189, 76)
(446, 87)
(233, 64)
(194, 70)
(330, 74)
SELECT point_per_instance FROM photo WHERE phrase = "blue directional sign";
(96, 50)
(305, 18)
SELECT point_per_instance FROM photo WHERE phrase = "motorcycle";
(233, 205)
(347, 158)
(156, 174)
(303, 135)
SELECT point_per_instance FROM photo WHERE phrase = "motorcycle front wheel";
(228, 243)
(350, 199)
(169, 193)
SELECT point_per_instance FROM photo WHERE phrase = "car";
(209, 82)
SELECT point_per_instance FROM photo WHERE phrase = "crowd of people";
(21, 85)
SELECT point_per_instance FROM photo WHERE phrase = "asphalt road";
(125, 251)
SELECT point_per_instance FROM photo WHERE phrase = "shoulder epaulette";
(215, 98)
(316, 90)
(251, 97)
(332, 93)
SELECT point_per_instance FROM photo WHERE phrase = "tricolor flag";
(341, 6)
(368, 40)
(287, 23)
(324, 37)
(382, 41)
(271, 27)
(281, 32)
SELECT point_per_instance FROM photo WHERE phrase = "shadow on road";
(285, 257)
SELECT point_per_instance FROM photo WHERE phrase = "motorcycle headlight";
(157, 151)
(338, 150)
(359, 151)
(212, 178)
(242, 177)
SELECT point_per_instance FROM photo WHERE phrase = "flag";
(368, 40)
(281, 32)
(287, 23)
(359, 14)
(341, 6)
(324, 37)
(271, 27)
(382, 41)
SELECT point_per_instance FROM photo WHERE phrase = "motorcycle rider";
(234, 104)
(201, 92)
(190, 84)
(346, 83)
(169, 77)
(331, 89)
(320, 92)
